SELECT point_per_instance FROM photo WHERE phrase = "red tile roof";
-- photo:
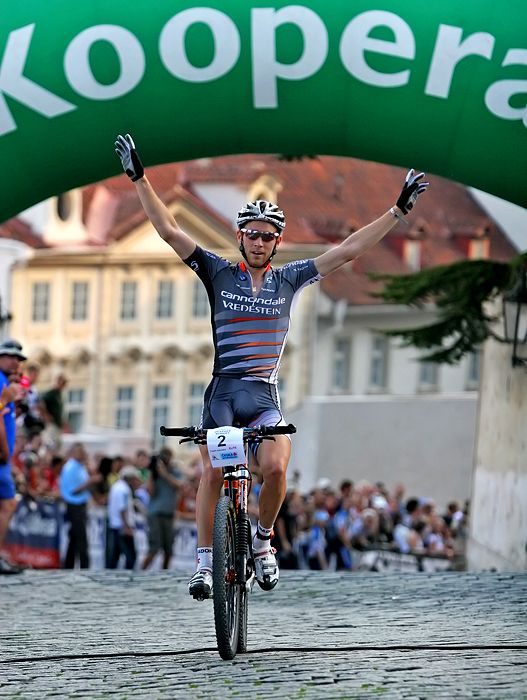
(18, 230)
(323, 199)
(326, 198)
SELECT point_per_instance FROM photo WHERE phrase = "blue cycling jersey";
(250, 332)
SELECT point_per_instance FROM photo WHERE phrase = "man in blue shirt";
(75, 483)
(10, 357)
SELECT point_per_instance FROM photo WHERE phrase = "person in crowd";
(345, 491)
(316, 541)
(364, 532)
(404, 533)
(33, 450)
(454, 516)
(339, 543)
(100, 497)
(186, 508)
(438, 539)
(121, 518)
(33, 458)
(380, 503)
(396, 502)
(142, 461)
(52, 410)
(33, 423)
(102, 488)
(164, 483)
(10, 358)
(51, 475)
(118, 463)
(412, 512)
(76, 483)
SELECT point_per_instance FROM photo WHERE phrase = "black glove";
(412, 188)
(125, 149)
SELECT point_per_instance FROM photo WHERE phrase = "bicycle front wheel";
(226, 591)
(242, 625)
(244, 598)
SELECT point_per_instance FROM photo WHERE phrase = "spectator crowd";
(321, 529)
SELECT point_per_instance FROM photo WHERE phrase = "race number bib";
(225, 446)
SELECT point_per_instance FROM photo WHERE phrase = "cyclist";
(251, 303)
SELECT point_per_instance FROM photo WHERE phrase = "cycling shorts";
(231, 401)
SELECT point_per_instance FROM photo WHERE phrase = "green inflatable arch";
(440, 86)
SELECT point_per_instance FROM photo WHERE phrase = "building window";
(200, 300)
(379, 362)
(412, 254)
(41, 298)
(479, 249)
(428, 376)
(160, 413)
(124, 411)
(128, 300)
(195, 402)
(474, 369)
(341, 364)
(79, 301)
(75, 403)
(64, 206)
(165, 299)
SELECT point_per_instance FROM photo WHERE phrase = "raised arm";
(362, 240)
(160, 217)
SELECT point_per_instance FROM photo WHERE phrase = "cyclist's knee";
(274, 470)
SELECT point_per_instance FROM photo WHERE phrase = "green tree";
(459, 292)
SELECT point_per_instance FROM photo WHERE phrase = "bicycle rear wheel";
(226, 592)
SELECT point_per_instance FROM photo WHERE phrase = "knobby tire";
(227, 594)
(242, 625)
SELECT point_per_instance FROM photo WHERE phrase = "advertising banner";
(440, 86)
(34, 535)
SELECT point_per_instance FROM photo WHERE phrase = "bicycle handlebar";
(259, 431)
(181, 432)
(277, 429)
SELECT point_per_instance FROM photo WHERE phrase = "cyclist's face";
(257, 249)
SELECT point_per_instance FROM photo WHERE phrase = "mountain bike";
(233, 571)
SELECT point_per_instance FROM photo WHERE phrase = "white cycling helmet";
(261, 210)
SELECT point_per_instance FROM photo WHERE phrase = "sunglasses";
(254, 235)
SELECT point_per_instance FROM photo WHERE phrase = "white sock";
(262, 538)
(204, 558)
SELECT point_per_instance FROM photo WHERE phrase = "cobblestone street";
(317, 635)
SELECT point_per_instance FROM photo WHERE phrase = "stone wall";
(425, 442)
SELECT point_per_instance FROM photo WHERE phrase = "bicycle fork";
(236, 485)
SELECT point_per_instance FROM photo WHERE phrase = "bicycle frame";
(236, 486)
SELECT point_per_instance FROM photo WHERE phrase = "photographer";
(32, 422)
(163, 485)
